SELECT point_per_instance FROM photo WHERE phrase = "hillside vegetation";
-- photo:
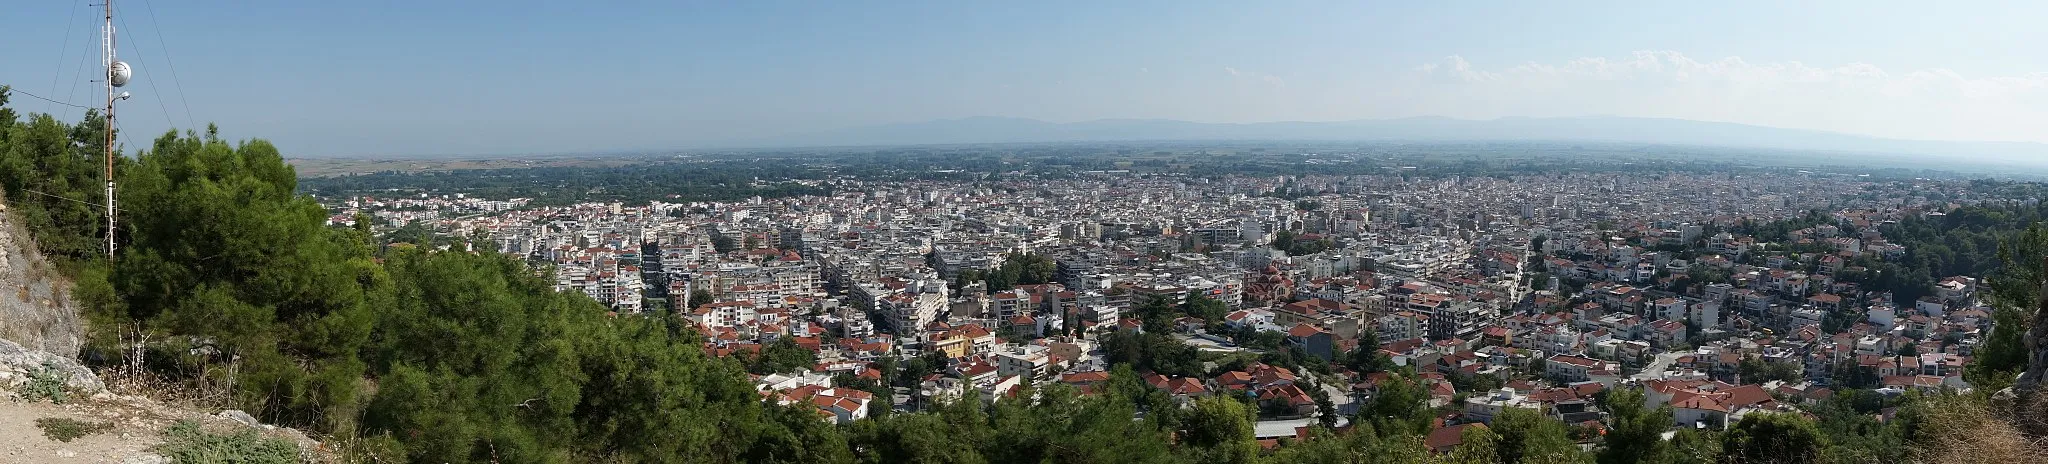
(237, 285)
(231, 281)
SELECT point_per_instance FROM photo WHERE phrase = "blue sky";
(516, 76)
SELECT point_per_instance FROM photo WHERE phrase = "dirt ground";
(137, 425)
(136, 428)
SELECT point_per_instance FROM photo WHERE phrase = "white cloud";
(1852, 97)
(1268, 79)
(1457, 68)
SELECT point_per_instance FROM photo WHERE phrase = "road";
(1658, 364)
(1211, 346)
(1340, 398)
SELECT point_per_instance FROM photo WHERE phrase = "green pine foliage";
(51, 173)
(1400, 407)
(1526, 436)
(1021, 269)
(1634, 430)
(1772, 438)
(1152, 351)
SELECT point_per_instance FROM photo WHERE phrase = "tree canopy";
(1526, 436)
(1772, 438)
(1635, 431)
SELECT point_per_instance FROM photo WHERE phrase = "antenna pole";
(107, 43)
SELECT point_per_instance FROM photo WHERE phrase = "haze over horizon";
(534, 77)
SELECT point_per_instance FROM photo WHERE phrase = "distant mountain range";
(1418, 129)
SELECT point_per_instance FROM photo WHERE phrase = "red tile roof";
(1444, 439)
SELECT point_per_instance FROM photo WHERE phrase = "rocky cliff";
(36, 308)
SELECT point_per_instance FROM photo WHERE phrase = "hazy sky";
(516, 76)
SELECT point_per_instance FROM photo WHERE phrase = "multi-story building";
(1030, 361)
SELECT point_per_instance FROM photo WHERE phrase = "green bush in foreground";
(189, 442)
(65, 429)
(47, 384)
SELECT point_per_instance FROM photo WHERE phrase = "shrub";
(188, 441)
(47, 384)
(65, 429)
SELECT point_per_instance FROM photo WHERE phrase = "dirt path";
(136, 428)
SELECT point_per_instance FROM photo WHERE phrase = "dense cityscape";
(1718, 294)
(1236, 302)
(1023, 233)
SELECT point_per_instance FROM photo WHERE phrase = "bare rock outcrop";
(36, 308)
(18, 364)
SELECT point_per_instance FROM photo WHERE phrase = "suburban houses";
(1532, 292)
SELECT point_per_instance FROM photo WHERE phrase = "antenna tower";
(116, 75)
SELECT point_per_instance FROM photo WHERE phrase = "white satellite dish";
(120, 73)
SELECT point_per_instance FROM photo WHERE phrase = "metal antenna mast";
(117, 74)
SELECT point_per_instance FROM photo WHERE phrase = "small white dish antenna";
(120, 73)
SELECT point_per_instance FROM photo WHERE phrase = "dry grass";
(133, 378)
(1963, 429)
(2031, 416)
(202, 394)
